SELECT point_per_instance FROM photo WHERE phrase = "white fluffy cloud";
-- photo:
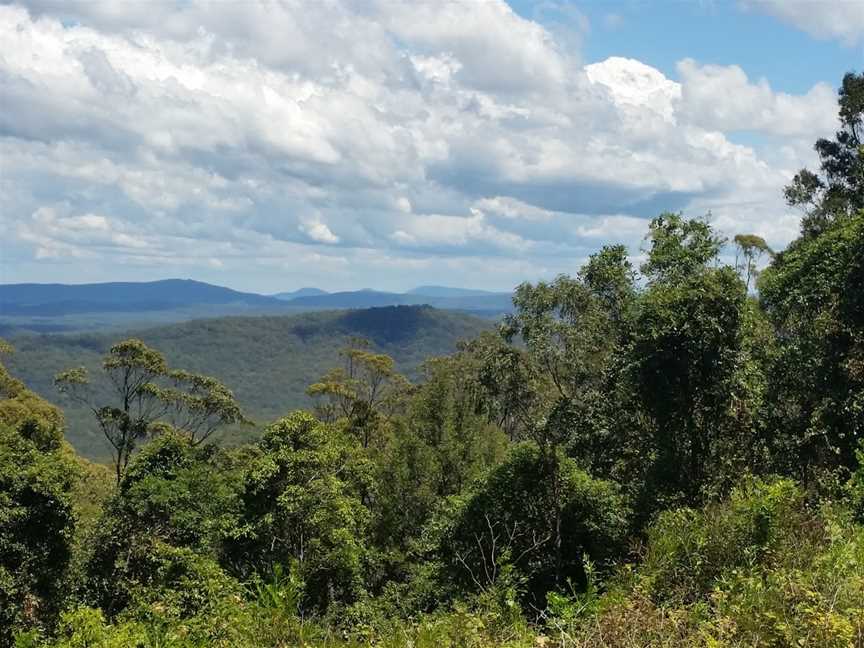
(835, 19)
(337, 142)
(318, 231)
(723, 98)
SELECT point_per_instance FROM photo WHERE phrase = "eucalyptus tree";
(366, 391)
(837, 190)
(147, 395)
(813, 292)
(749, 250)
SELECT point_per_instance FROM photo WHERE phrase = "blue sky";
(268, 146)
(663, 32)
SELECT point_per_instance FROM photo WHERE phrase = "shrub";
(507, 521)
(688, 549)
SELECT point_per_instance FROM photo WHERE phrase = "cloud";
(723, 98)
(318, 231)
(511, 208)
(634, 84)
(338, 140)
(841, 20)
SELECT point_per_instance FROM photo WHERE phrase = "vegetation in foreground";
(664, 462)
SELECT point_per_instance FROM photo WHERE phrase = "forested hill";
(267, 361)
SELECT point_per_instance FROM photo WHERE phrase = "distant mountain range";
(301, 292)
(64, 299)
(438, 296)
(444, 291)
(426, 291)
(75, 307)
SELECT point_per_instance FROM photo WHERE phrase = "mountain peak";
(307, 291)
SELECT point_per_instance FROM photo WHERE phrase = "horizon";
(499, 141)
(263, 293)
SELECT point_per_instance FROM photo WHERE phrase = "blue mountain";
(64, 299)
(300, 292)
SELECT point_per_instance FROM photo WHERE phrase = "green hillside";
(267, 361)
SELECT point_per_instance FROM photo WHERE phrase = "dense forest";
(266, 361)
(663, 456)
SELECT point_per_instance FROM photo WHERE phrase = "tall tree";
(366, 391)
(749, 250)
(813, 293)
(679, 247)
(131, 367)
(147, 392)
(837, 191)
(688, 352)
(302, 507)
(571, 329)
(198, 405)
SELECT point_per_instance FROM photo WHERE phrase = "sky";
(267, 146)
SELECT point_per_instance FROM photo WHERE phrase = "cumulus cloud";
(634, 84)
(842, 20)
(318, 231)
(723, 98)
(345, 140)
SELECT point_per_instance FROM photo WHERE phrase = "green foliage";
(302, 504)
(699, 351)
(838, 191)
(679, 247)
(408, 475)
(689, 550)
(173, 495)
(23, 410)
(749, 249)
(197, 405)
(36, 526)
(178, 492)
(856, 485)
(813, 296)
(506, 527)
(611, 278)
(267, 362)
(448, 412)
(36, 516)
(687, 354)
(192, 404)
(365, 392)
(761, 569)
